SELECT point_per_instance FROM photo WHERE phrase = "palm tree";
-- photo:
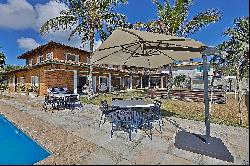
(237, 54)
(172, 20)
(90, 19)
(2, 59)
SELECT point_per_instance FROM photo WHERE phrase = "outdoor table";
(132, 104)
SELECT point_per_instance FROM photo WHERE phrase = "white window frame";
(22, 80)
(105, 77)
(76, 57)
(40, 59)
(34, 82)
(50, 54)
(88, 60)
(31, 61)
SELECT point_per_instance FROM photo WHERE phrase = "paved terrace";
(75, 137)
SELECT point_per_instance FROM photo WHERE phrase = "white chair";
(103, 87)
(65, 90)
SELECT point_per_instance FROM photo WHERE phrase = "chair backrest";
(104, 105)
(157, 103)
(57, 89)
(122, 116)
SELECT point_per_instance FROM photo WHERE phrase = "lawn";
(221, 113)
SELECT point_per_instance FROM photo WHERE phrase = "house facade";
(59, 65)
(193, 70)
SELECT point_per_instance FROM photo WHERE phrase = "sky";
(20, 21)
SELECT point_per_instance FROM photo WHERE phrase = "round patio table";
(132, 104)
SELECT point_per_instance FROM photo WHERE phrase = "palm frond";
(56, 23)
(200, 21)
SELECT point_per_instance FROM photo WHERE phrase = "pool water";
(16, 148)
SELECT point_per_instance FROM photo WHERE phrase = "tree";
(237, 53)
(172, 20)
(2, 59)
(90, 19)
(11, 67)
(180, 80)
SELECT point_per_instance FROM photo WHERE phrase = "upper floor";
(55, 51)
(194, 69)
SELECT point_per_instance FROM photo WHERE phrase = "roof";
(49, 44)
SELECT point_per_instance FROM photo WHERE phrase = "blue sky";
(20, 21)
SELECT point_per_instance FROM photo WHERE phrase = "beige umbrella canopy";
(145, 49)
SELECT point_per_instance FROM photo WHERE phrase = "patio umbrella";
(145, 49)
(153, 50)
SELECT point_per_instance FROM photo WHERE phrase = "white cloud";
(47, 11)
(21, 15)
(17, 14)
(27, 43)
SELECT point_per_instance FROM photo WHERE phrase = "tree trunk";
(170, 81)
(90, 86)
(238, 82)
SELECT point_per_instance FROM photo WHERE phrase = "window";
(72, 57)
(39, 59)
(30, 61)
(110, 66)
(34, 80)
(22, 82)
(199, 69)
(49, 56)
(9, 81)
(103, 80)
(88, 60)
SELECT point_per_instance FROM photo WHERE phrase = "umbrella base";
(196, 143)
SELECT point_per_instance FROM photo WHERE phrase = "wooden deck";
(188, 95)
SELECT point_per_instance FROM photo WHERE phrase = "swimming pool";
(16, 147)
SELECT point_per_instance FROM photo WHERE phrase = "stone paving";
(141, 150)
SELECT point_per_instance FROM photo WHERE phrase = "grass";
(226, 114)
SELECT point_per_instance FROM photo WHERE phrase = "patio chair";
(54, 102)
(122, 119)
(154, 114)
(106, 110)
(72, 101)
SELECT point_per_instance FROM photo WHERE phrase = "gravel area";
(74, 137)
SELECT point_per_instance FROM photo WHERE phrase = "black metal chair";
(72, 101)
(122, 119)
(154, 114)
(54, 102)
(106, 110)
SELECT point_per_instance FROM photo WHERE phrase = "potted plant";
(22, 89)
(33, 91)
(2, 87)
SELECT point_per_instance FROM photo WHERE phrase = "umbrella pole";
(206, 98)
